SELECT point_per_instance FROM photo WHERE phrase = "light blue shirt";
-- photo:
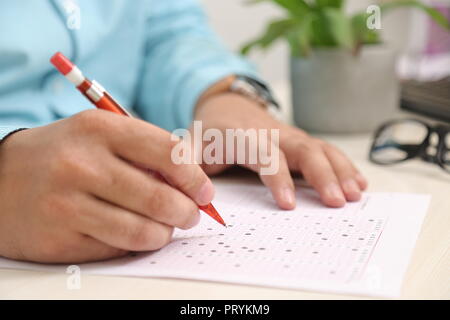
(155, 57)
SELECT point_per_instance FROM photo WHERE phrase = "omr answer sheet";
(363, 248)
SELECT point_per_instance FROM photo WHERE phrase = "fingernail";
(361, 179)
(289, 197)
(335, 192)
(206, 193)
(352, 190)
(351, 186)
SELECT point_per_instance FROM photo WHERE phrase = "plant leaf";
(275, 30)
(320, 32)
(297, 8)
(330, 3)
(299, 37)
(361, 33)
(339, 26)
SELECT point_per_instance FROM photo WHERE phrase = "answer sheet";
(363, 248)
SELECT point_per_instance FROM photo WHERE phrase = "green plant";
(323, 23)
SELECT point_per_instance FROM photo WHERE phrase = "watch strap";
(254, 89)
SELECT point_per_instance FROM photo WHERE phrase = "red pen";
(95, 93)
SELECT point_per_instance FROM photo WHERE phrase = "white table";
(428, 275)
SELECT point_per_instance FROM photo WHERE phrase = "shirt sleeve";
(23, 108)
(183, 57)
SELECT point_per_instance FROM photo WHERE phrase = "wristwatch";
(255, 90)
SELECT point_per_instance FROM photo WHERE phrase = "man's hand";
(69, 191)
(322, 165)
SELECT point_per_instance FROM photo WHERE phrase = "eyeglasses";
(400, 140)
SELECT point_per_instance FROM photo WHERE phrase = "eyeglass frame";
(416, 150)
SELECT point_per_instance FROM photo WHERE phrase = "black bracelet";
(10, 134)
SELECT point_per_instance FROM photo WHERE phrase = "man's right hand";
(72, 191)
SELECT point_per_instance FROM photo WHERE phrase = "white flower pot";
(336, 92)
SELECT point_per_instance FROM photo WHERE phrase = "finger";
(362, 181)
(69, 247)
(87, 249)
(345, 172)
(214, 169)
(279, 181)
(138, 191)
(120, 228)
(317, 170)
(343, 159)
(151, 147)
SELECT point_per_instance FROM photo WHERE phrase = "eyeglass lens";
(388, 144)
